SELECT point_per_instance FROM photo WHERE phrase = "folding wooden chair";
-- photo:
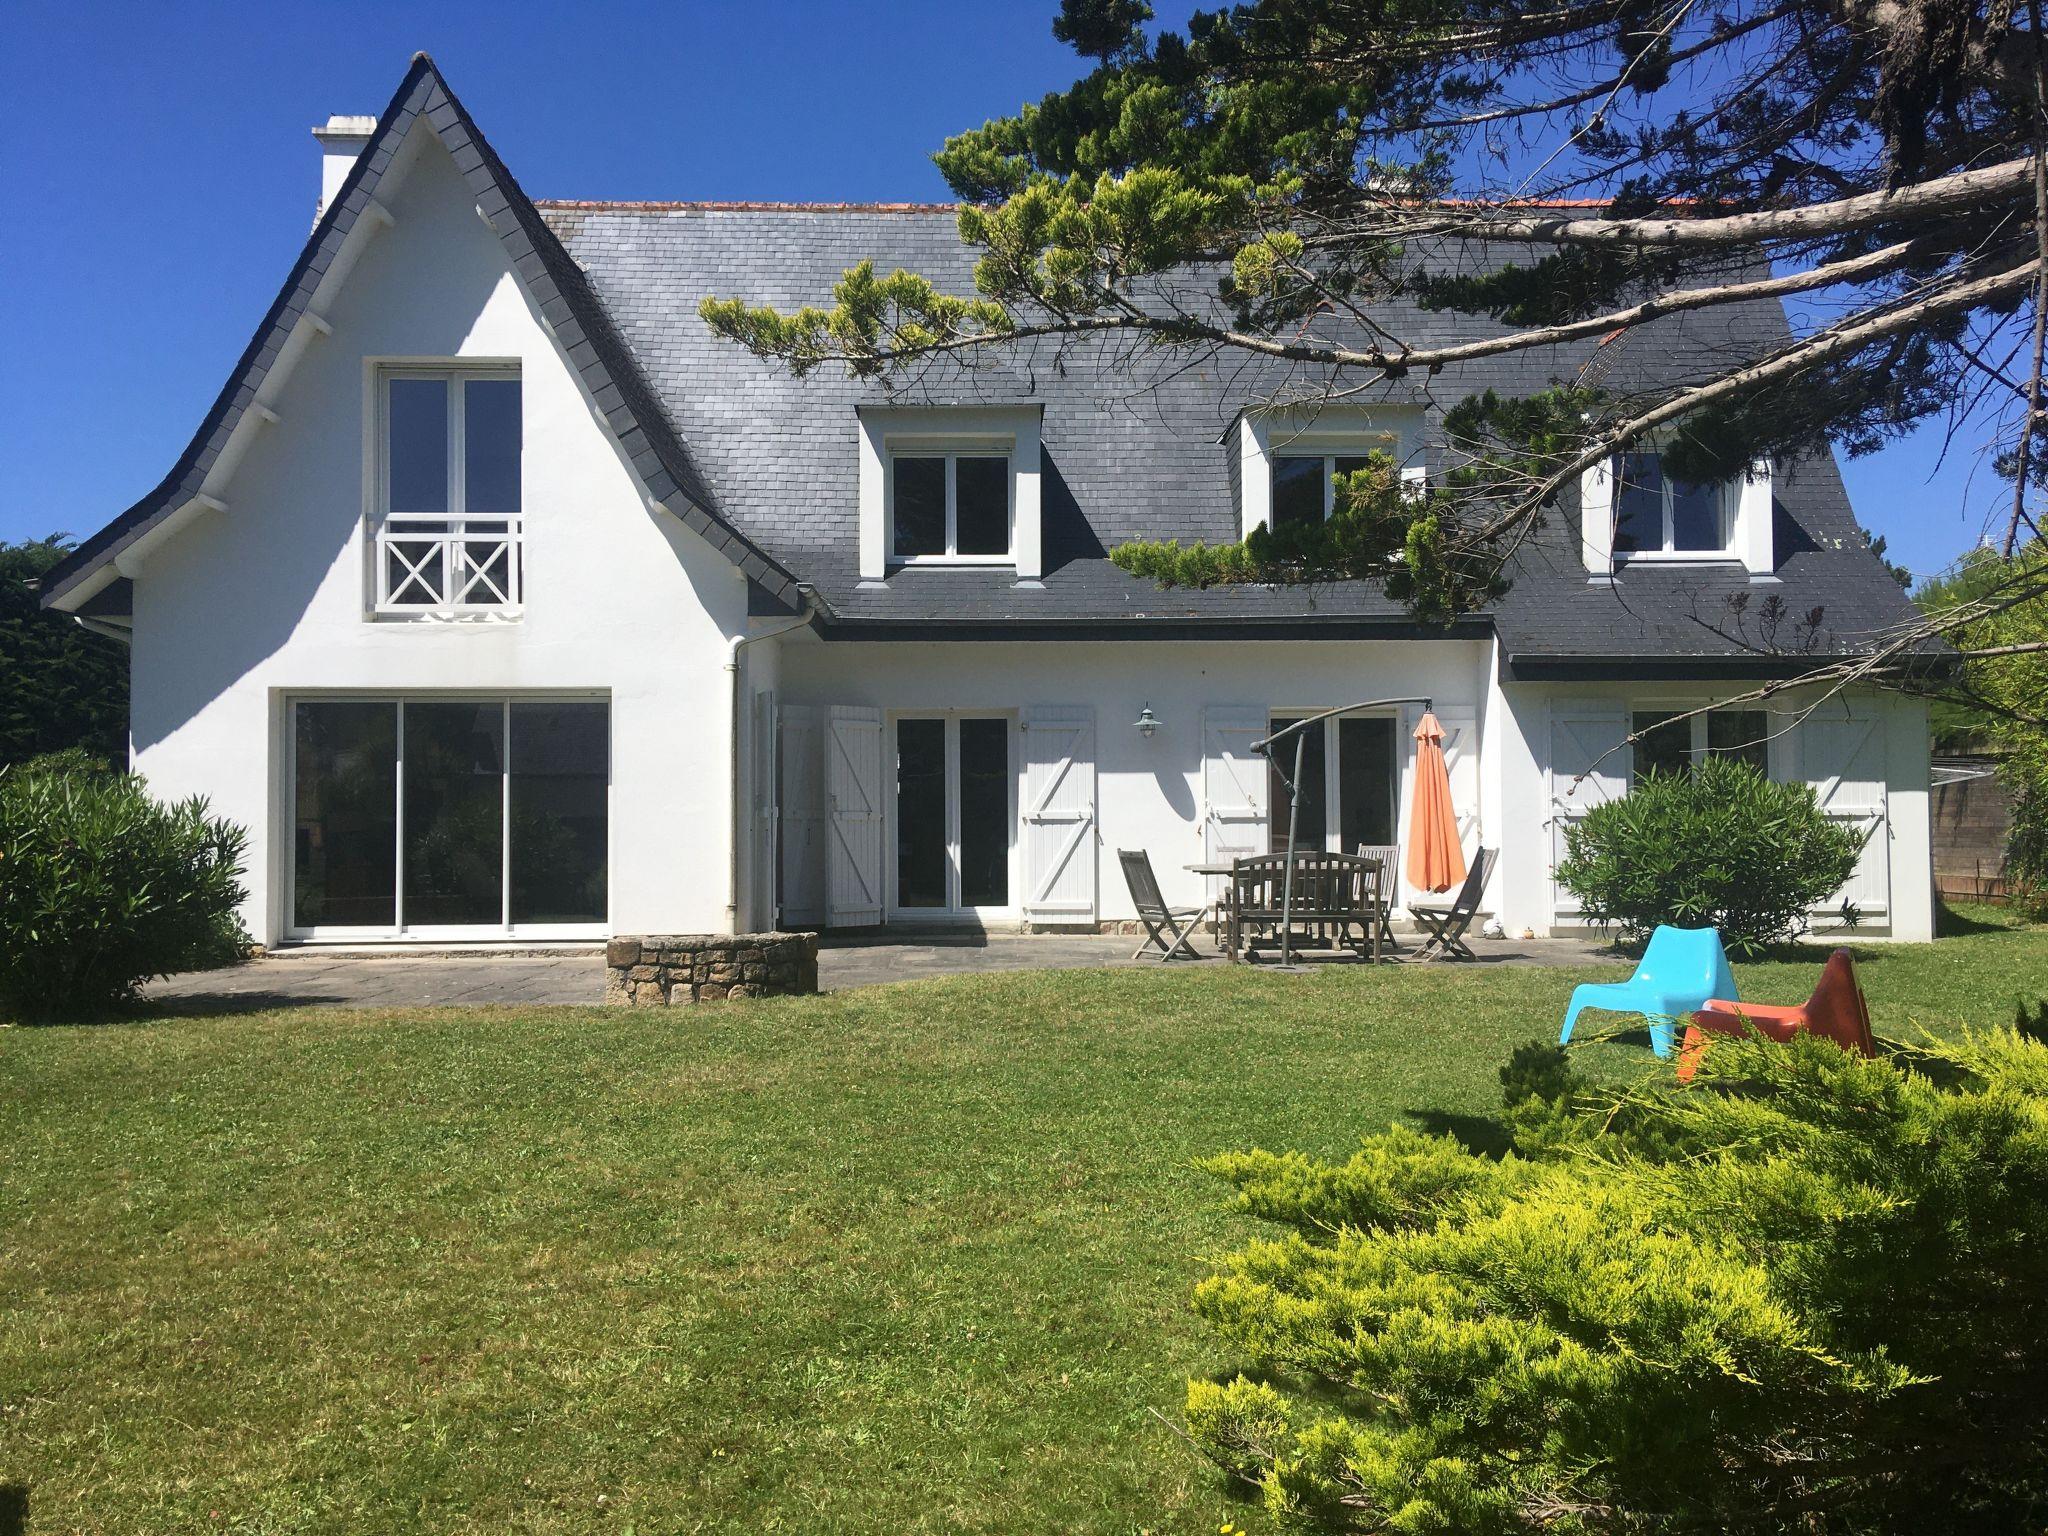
(1388, 856)
(1167, 929)
(1447, 925)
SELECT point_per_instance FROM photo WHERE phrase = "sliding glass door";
(954, 814)
(461, 818)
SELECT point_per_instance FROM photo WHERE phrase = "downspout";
(733, 647)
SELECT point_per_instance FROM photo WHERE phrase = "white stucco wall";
(1149, 791)
(1896, 755)
(240, 610)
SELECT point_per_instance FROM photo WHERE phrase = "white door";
(1841, 754)
(853, 793)
(1060, 856)
(802, 805)
(1588, 767)
(1233, 783)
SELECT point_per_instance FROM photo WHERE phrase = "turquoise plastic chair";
(1682, 968)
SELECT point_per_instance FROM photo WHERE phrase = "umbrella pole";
(1287, 876)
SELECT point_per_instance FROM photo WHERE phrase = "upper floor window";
(950, 506)
(449, 533)
(1305, 485)
(1655, 514)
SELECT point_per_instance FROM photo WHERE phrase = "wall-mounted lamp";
(1147, 722)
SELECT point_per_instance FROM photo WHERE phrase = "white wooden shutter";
(1588, 767)
(853, 792)
(1841, 754)
(1060, 855)
(1233, 783)
(802, 806)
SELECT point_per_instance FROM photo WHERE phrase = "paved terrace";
(394, 979)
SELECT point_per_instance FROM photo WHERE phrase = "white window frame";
(1746, 509)
(1725, 508)
(1330, 433)
(505, 928)
(1333, 787)
(951, 452)
(953, 911)
(934, 431)
(411, 527)
(1696, 750)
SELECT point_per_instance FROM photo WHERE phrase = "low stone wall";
(670, 969)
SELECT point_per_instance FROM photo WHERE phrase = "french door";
(954, 811)
(1350, 784)
(455, 818)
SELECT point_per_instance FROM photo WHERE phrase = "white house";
(499, 599)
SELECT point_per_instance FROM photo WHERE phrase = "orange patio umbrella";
(1436, 861)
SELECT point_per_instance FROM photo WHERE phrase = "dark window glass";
(981, 506)
(1638, 503)
(1663, 744)
(1740, 733)
(454, 813)
(490, 446)
(1298, 487)
(920, 812)
(1366, 786)
(984, 813)
(920, 506)
(345, 816)
(1311, 817)
(560, 757)
(417, 453)
(1696, 517)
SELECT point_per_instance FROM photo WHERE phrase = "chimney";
(342, 138)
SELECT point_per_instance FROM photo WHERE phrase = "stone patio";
(396, 979)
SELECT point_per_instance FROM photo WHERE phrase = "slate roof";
(1137, 441)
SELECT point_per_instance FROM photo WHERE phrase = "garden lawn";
(907, 1259)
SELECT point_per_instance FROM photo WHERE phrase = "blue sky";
(158, 180)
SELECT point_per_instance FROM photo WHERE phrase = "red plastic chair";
(1836, 1011)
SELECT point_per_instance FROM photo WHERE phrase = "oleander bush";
(1808, 1294)
(1718, 847)
(103, 887)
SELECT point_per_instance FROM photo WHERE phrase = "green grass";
(907, 1259)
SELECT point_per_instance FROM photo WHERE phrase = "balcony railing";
(433, 564)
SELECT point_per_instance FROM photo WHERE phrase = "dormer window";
(1631, 512)
(1655, 514)
(1289, 459)
(450, 532)
(950, 506)
(950, 486)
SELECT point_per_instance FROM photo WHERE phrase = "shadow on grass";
(155, 1010)
(1481, 1135)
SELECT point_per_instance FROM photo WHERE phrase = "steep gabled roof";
(558, 287)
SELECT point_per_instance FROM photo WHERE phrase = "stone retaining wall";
(668, 969)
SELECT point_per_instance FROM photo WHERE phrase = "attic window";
(950, 506)
(1656, 515)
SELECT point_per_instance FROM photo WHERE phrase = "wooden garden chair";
(1167, 929)
(1447, 925)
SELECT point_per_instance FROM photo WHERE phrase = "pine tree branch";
(1973, 192)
